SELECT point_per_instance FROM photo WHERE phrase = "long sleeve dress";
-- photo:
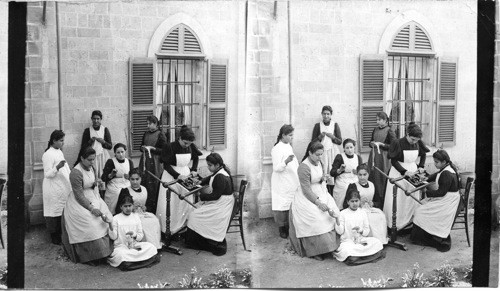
(330, 145)
(378, 158)
(312, 231)
(56, 186)
(434, 218)
(284, 179)
(122, 253)
(84, 235)
(151, 161)
(118, 182)
(207, 224)
(101, 150)
(345, 178)
(403, 157)
(176, 160)
(350, 246)
(149, 221)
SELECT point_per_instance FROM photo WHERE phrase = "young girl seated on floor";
(355, 247)
(376, 217)
(129, 252)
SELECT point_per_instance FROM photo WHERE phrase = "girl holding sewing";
(434, 218)
(207, 224)
(344, 171)
(313, 212)
(382, 137)
(115, 175)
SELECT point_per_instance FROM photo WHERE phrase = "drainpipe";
(59, 89)
(290, 100)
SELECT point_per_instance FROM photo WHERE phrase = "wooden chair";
(237, 214)
(462, 216)
(2, 186)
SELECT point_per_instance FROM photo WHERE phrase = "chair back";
(241, 196)
(468, 186)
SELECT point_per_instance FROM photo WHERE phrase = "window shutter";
(447, 102)
(217, 105)
(141, 104)
(372, 91)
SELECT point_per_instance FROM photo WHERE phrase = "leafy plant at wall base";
(223, 278)
(413, 279)
(160, 285)
(381, 283)
(468, 274)
(445, 276)
(247, 276)
(191, 281)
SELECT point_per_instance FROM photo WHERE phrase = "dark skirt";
(151, 184)
(382, 162)
(53, 224)
(195, 241)
(313, 245)
(86, 251)
(130, 266)
(421, 237)
(354, 260)
(281, 217)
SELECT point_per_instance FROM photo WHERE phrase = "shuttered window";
(181, 41)
(411, 38)
(141, 96)
(217, 105)
(446, 113)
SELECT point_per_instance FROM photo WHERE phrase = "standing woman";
(328, 133)
(284, 180)
(382, 137)
(176, 157)
(152, 143)
(404, 153)
(56, 186)
(344, 170)
(99, 138)
(313, 213)
(115, 175)
(86, 217)
(433, 220)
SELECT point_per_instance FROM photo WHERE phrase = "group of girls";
(118, 225)
(358, 207)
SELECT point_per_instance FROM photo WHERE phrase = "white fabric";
(327, 142)
(376, 217)
(348, 220)
(284, 179)
(150, 223)
(115, 185)
(405, 204)
(56, 185)
(211, 218)
(179, 210)
(343, 180)
(308, 219)
(81, 224)
(121, 253)
(330, 150)
(436, 215)
(102, 154)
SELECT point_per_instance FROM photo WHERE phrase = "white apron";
(376, 217)
(179, 210)
(405, 204)
(436, 215)
(330, 150)
(308, 219)
(56, 186)
(115, 185)
(81, 224)
(150, 223)
(101, 154)
(284, 179)
(211, 218)
(343, 180)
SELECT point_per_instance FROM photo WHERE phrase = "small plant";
(247, 276)
(381, 283)
(468, 274)
(160, 285)
(191, 281)
(3, 277)
(445, 276)
(223, 278)
(413, 279)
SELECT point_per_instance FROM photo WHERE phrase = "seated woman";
(207, 224)
(355, 247)
(130, 253)
(313, 212)
(434, 218)
(150, 223)
(376, 217)
(115, 175)
(86, 217)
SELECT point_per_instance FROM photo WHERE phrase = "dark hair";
(123, 199)
(134, 171)
(284, 130)
(96, 112)
(382, 115)
(55, 135)
(327, 107)
(119, 145)
(216, 159)
(186, 133)
(442, 155)
(152, 119)
(352, 193)
(348, 140)
(363, 166)
(84, 153)
(312, 147)
(414, 130)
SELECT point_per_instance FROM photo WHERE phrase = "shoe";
(318, 257)
(283, 233)
(56, 239)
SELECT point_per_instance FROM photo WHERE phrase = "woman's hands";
(132, 234)
(322, 206)
(99, 139)
(182, 177)
(289, 159)
(60, 164)
(96, 212)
